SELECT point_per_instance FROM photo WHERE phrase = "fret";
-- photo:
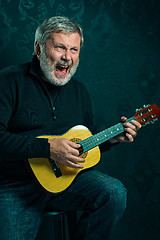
(103, 136)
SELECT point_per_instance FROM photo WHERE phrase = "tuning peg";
(152, 121)
(146, 105)
(146, 124)
(138, 109)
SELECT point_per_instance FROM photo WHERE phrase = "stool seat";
(54, 213)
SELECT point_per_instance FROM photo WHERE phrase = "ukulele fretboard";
(103, 136)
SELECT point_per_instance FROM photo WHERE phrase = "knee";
(118, 195)
(113, 194)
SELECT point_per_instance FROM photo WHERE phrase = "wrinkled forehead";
(71, 38)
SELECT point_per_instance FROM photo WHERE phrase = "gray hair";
(57, 24)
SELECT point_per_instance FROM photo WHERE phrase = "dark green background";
(119, 64)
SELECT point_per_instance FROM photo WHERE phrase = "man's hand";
(66, 152)
(130, 131)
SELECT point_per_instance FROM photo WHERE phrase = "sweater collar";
(35, 67)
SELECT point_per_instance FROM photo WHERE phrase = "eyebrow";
(63, 45)
(53, 43)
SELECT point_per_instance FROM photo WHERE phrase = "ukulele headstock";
(147, 114)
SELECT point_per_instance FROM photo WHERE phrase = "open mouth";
(62, 70)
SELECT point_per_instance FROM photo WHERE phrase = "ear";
(38, 49)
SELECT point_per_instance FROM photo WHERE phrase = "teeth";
(63, 66)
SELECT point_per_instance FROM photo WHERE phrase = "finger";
(129, 125)
(133, 124)
(123, 119)
(125, 138)
(136, 124)
(129, 137)
(73, 144)
(131, 131)
(77, 159)
(73, 151)
(71, 164)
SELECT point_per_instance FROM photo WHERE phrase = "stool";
(62, 226)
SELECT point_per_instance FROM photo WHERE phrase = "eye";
(74, 50)
(59, 48)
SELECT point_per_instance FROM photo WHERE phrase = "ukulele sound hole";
(81, 153)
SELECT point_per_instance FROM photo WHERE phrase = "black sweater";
(30, 107)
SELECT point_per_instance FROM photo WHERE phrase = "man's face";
(60, 57)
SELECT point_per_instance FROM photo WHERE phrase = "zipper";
(53, 105)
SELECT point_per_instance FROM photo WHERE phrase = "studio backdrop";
(120, 66)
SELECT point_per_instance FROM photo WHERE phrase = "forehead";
(67, 39)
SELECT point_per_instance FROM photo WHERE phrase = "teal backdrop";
(119, 64)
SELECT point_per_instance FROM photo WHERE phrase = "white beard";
(47, 71)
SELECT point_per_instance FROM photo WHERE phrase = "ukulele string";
(101, 137)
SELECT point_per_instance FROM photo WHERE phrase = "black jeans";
(102, 199)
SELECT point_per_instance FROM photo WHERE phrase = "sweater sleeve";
(16, 146)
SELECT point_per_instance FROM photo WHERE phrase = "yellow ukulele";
(55, 177)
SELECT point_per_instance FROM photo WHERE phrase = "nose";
(66, 55)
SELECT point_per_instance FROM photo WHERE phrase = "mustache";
(64, 62)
